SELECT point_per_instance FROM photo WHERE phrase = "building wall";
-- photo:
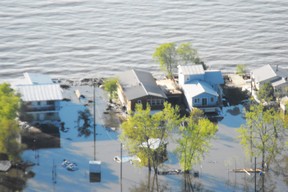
(42, 106)
(198, 100)
(156, 103)
(42, 110)
(257, 84)
(281, 90)
(183, 79)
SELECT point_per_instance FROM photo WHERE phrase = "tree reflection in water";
(84, 123)
(153, 184)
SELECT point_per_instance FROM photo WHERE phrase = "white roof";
(5, 165)
(47, 92)
(153, 143)
(198, 87)
(95, 166)
(191, 69)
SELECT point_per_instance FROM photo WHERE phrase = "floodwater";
(76, 38)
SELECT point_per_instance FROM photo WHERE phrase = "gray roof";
(280, 72)
(214, 77)
(191, 69)
(267, 72)
(5, 165)
(46, 92)
(137, 84)
(278, 83)
(198, 87)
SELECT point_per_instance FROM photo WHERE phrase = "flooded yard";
(77, 146)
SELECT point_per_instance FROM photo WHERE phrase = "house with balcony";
(201, 88)
(136, 86)
(40, 97)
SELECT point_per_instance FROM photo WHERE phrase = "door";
(204, 101)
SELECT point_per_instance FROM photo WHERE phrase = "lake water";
(83, 38)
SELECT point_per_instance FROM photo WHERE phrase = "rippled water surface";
(76, 38)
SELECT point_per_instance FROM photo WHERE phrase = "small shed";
(95, 171)
(5, 164)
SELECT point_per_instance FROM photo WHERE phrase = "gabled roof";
(137, 84)
(191, 69)
(263, 73)
(199, 87)
(47, 92)
(214, 77)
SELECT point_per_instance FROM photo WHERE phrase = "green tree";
(196, 133)
(141, 127)
(187, 54)
(169, 56)
(240, 69)
(265, 92)
(9, 102)
(263, 134)
(10, 138)
(165, 54)
(110, 85)
(9, 128)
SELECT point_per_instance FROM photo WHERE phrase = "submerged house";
(140, 87)
(201, 88)
(271, 74)
(40, 97)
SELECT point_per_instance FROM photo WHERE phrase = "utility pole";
(121, 146)
(255, 175)
(94, 112)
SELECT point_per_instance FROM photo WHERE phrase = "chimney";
(277, 67)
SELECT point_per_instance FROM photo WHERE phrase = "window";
(38, 103)
(50, 102)
(197, 100)
(139, 101)
(212, 99)
(50, 114)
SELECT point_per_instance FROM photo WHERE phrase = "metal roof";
(46, 92)
(263, 73)
(198, 87)
(138, 84)
(214, 77)
(191, 69)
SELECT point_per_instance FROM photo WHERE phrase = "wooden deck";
(247, 170)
